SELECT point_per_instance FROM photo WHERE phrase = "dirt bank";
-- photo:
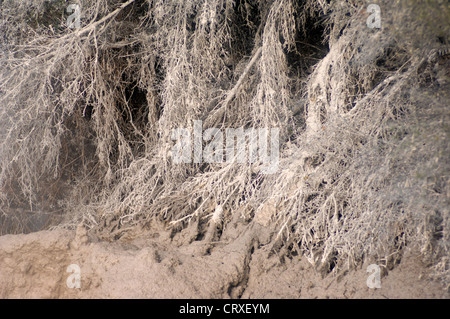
(157, 266)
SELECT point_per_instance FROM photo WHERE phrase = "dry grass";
(363, 129)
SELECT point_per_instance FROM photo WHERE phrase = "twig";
(231, 94)
(112, 14)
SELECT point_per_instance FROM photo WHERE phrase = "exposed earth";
(157, 266)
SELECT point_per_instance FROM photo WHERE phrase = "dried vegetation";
(86, 117)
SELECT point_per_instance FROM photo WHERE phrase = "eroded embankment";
(156, 266)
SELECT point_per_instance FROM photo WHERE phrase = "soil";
(158, 264)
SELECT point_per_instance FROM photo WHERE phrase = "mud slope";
(35, 266)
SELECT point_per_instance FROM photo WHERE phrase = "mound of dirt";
(155, 266)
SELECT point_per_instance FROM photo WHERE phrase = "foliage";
(86, 118)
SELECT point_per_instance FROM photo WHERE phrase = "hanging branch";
(218, 114)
